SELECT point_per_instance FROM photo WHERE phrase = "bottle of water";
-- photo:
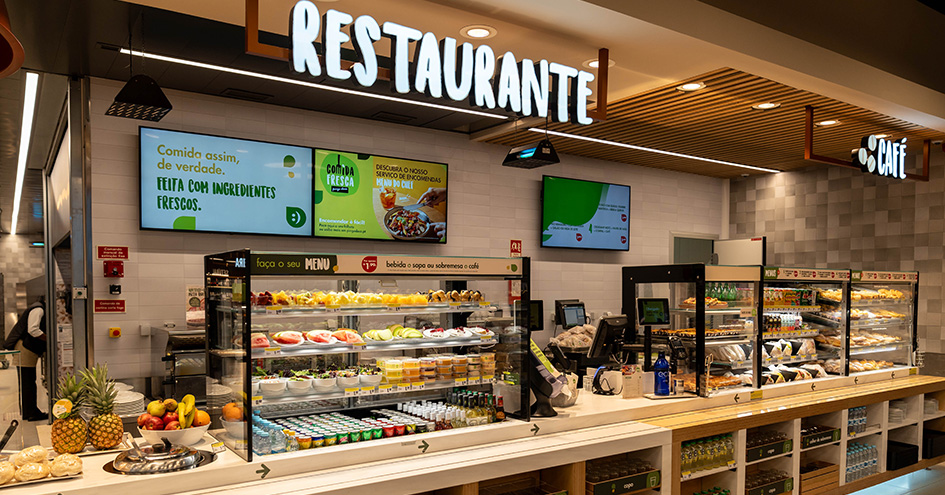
(277, 439)
(661, 369)
(261, 444)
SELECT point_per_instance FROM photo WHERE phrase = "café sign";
(441, 68)
(882, 157)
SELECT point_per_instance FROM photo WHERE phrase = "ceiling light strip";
(259, 75)
(26, 132)
(651, 150)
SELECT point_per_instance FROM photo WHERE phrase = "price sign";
(459, 382)
(394, 307)
(747, 312)
(483, 304)
(455, 304)
(257, 400)
(217, 447)
(272, 351)
(686, 475)
(352, 392)
(418, 386)
(332, 308)
(368, 390)
(385, 389)
(273, 310)
(488, 378)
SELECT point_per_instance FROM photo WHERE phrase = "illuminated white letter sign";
(440, 66)
(882, 157)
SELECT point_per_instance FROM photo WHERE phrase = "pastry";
(31, 454)
(6, 472)
(66, 465)
(32, 471)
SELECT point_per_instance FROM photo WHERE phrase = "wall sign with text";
(440, 67)
(883, 157)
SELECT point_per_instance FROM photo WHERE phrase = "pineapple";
(105, 428)
(69, 431)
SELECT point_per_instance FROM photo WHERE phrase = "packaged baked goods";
(66, 465)
(35, 453)
(32, 471)
(6, 472)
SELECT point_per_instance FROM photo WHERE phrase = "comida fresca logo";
(339, 174)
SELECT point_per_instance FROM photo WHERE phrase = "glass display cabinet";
(711, 330)
(803, 325)
(883, 307)
(337, 347)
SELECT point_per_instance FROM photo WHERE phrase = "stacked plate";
(218, 395)
(129, 403)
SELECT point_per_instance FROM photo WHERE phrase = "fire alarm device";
(114, 268)
(114, 332)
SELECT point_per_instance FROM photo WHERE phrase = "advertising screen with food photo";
(209, 183)
(364, 196)
(585, 214)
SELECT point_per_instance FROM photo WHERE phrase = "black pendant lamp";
(140, 99)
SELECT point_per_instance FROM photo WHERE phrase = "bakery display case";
(313, 350)
(883, 307)
(802, 337)
(709, 344)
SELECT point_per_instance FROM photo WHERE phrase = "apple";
(170, 404)
(154, 423)
(170, 416)
(173, 425)
(156, 408)
(143, 419)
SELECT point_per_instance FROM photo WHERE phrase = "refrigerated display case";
(883, 307)
(709, 345)
(327, 344)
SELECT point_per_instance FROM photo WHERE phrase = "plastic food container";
(389, 373)
(444, 370)
(411, 372)
(473, 374)
(411, 363)
(440, 376)
(427, 373)
(444, 360)
(459, 369)
(427, 363)
(474, 367)
(459, 360)
(394, 364)
(487, 357)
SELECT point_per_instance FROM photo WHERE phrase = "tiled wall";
(840, 218)
(18, 264)
(489, 205)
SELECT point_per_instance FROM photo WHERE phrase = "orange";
(201, 418)
(232, 412)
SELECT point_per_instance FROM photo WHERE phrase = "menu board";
(585, 214)
(364, 196)
(209, 183)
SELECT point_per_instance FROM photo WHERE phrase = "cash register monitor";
(569, 313)
(653, 311)
(609, 337)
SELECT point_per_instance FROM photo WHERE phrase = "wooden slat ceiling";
(718, 122)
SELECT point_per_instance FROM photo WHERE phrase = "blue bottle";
(661, 382)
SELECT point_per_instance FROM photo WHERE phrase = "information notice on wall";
(216, 184)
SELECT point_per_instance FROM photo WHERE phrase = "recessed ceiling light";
(881, 136)
(766, 106)
(825, 123)
(478, 31)
(689, 87)
(594, 63)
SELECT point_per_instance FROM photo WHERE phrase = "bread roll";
(32, 471)
(31, 454)
(6, 472)
(66, 465)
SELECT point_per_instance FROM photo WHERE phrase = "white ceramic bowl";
(371, 379)
(235, 429)
(299, 387)
(272, 387)
(324, 384)
(348, 381)
(187, 436)
(255, 387)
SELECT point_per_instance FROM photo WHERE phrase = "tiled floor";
(923, 482)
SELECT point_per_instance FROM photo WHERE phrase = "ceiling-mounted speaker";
(11, 51)
(140, 99)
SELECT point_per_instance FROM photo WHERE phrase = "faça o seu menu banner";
(365, 196)
(206, 183)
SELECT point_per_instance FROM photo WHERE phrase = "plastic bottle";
(277, 439)
(730, 448)
(662, 378)
(261, 444)
(684, 457)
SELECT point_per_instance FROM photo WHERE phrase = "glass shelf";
(371, 391)
(275, 312)
(395, 345)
